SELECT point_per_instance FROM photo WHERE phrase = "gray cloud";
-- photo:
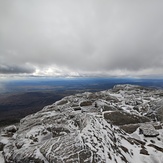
(8, 69)
(87, 37)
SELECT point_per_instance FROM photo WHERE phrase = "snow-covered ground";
(1, 158)
(86, 128)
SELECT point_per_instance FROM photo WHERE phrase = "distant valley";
(20, 98)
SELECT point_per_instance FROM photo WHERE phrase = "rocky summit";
(120, 125)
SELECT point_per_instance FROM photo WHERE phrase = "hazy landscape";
(23, 97)
(81, 81)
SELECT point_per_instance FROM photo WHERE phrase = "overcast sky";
(81, 37)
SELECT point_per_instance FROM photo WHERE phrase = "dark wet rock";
(1, 146)
(19, 144)
(62, 102)
(124, 149)
(144, 151)
(77, 108)
(85, 103)
(130, 128)
(108, 108)
(85, 155)
(93, 96)
(157, 126)
(122, 118)
(9, 130)
(111, 98)
(136, 108)
(58, 131)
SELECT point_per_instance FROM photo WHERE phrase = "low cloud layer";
(74, 38)
(8, 69)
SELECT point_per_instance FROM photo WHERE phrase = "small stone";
(10, 129)
(1, 146)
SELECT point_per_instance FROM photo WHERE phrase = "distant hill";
(16, 106)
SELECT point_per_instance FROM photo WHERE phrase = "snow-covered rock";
(148, 130)
(86, 128)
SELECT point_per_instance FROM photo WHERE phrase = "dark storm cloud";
(8, 69)
(87, 36)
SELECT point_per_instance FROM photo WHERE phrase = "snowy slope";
(90, 127)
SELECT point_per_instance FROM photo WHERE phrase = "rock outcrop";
(88, 128)
(148, 130)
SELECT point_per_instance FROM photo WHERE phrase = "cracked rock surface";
(89, 128)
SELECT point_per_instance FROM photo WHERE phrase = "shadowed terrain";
(14, 107)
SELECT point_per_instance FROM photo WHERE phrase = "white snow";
(1, 158)
(90, 129)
